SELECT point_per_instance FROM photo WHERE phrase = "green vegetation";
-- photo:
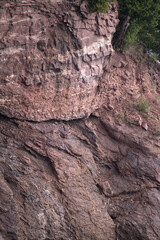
(120, 119)
(144, 23)
(117, 122)
(142, 105)
(145, 115)
(139, 22)
(154, 56)
(130, 124)
(98, 5)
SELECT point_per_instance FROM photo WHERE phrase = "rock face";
(94, 178)
(86, 179)
(52, 58)
(48, 184)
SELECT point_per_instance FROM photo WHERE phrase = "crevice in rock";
(125, 194)
(42, 121)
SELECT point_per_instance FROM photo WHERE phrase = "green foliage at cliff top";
(98, 5)
(144, 25)
(144, 22)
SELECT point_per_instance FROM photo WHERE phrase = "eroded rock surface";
(95, 178)
(86, 179)
(52, 58)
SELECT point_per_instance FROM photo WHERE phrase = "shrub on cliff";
(98, 5)
(144, 23)
(142, 105)
(139, 21)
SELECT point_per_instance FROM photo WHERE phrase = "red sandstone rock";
(85, 179)
(60, 181)
(52, 59)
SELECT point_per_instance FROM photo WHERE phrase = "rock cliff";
(79, 159)
(52, 58)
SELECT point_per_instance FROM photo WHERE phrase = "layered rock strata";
(52, 58)
(86, 179)
(95, 178)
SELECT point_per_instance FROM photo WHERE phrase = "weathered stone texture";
(95, 178)
(48, 184)
(52, 58)
(86, 179)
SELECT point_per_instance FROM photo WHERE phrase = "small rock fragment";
(145, 126)
(139, 121)
(111, 107)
